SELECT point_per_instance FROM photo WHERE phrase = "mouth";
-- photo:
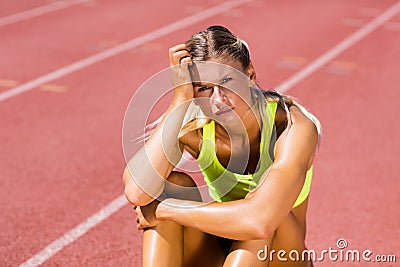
(224, 111)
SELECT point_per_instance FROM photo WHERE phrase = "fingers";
(178, 47)
(180, 60)
(186, 60)
(141, 223)
(179, 54)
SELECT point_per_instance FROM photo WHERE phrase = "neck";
(248, 127)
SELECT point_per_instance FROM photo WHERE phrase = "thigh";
(249, 253)
(288, 237)
(171, 244)
(201, 249)
(163, 245)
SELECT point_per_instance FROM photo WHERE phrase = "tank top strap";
(271, 107)
(268, 122)
(209, 131)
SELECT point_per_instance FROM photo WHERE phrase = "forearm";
(235, 220)
(255, 217)
(147, 170)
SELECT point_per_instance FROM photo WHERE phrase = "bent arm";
(257, 216)
(145, 173)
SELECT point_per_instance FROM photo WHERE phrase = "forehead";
(212, 71)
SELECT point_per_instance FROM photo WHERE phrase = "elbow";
(134, 194)
(263, 232)
(130, 195)
(258, 230)
(260, 226)
(134, 197)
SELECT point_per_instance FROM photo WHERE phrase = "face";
(221, 89)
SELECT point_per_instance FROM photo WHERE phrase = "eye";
(203, 88)
(225, 80)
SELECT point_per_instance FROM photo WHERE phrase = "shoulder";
(295, 116)
(303, 122)
(300, 125)
(298, 141)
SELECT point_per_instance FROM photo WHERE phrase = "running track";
(62, 159)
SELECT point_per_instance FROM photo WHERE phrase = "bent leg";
(163, 245)
(288, 237)
(201, 249)
(171, 244)
(246, 253)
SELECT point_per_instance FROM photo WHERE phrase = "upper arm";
(283, 181)
(142, 189)
(296, 146)
(177, 157)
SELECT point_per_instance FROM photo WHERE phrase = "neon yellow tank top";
(224, 185)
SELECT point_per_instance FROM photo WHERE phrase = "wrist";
(162, 211)
(173, 209)
(180, 99)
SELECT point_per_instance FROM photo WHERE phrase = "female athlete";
(255, 149)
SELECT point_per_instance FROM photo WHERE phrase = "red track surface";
(62, 158)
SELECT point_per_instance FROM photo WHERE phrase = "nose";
(217, 95)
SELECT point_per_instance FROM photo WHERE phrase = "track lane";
(75, 34)
(39, 11)
(356, 171)
(8, 8)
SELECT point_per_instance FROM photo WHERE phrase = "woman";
(255, 150)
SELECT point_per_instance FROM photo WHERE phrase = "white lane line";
(120, 201)
(339, 48)
(35, 12)
(76, 232)
(180, 24)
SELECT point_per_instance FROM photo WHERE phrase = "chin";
(229, 121)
